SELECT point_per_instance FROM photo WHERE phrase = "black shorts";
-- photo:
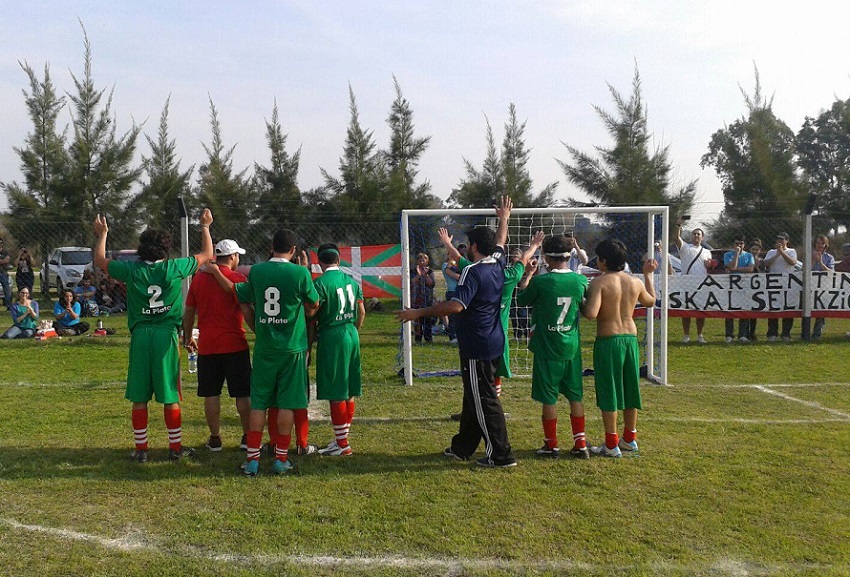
(214, 369)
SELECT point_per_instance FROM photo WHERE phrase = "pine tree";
(514, 160)
(229, 196)
(157, 203)
(101, 172)
(480, 188)
(35, 207)
(279, 201)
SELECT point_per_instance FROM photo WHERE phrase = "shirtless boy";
(611, 300)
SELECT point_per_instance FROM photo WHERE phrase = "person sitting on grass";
(555, 299)
(337, 324)
(66, 313)
(24, 317)
(154, 315)
(611, 300)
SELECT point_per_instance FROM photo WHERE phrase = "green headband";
(333, 251)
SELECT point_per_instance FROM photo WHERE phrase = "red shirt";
(219, 315)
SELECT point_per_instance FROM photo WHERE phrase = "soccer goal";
(639, 228)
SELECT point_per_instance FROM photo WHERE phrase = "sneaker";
(579, 453)
(701, 340)
(174, 455)
(213, 444)
(447, 452)
(140, 456)
(243, 444)
(728, 340)
(631, 447)
(744, 340)
(339, 452)
(686, 339)
(771, 339)
(452, 341)
(490, 463)
(251, 468)
(282, 467)
(455, 417)
(547, 451)
(330, 447)
(308, 450)
(603, 451)
(267, 449)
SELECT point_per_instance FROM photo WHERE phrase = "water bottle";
(193, 361)
(99, 325)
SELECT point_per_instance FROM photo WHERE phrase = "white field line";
(450, 566)
(813, 404)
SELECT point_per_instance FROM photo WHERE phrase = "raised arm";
(101, 229)
(647, 293)
(503, 211)
(207, 254)
(679, 241)
(451, 252)
(535, 243)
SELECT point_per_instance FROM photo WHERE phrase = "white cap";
(227, 247)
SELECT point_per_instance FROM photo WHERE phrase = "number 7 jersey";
(278, 290)
(154, 292)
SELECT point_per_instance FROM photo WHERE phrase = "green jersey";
(278, 290)
(555, 299)
(338, 298)
(513, 274)
(154, 292)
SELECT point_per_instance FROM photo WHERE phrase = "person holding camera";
(24, 276)
(780, 259)
(738, 260)
(422, 296)
(4, 277)
(695, 262)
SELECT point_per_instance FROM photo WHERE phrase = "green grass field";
(743, 470)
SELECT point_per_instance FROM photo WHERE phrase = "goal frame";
(651, 212)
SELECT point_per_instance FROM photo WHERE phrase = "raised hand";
(100, 226)
(206, 217)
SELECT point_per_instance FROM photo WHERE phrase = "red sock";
(611, 440)
(498, 384)
(281, 451)
(174, 425)
(350, 404)
(550, 432)
(339, 418)
(579, 438)
(255, 439)
(302, 427)
(139, 417)
(629, 436)
(273, 412)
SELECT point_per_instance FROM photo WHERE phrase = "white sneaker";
(332, 446)
(701, 340)
(686, 339)
(744, 340)
(628, 446)
(728, 340)
(603, 451)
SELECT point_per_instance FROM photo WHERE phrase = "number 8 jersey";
(154, 294)
(278, 290)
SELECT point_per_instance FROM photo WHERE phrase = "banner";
(376, 268)
(758, 295)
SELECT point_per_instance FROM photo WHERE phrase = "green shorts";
(616, 371)
(154, 369)
(504, 369)
(279, 380)
(548, 378)
(338, 364)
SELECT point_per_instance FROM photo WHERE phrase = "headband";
(557, 254)
(332, 251)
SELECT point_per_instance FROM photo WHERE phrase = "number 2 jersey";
(555, 299)
(278, 290)
(154, 290)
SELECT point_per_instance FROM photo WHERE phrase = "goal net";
(644, 231)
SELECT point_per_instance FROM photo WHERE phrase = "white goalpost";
(639, 227)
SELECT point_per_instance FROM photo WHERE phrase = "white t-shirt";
(780, 264)
(688, 253)
(576, 258)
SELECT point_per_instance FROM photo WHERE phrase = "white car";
(64, 267)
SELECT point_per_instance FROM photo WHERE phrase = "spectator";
(67, 315)
(422, 292)
(85, 294)
(695, 262)
(844, 265)
(780, 259)
(451, 274)
(24, 317)
(578, 256)
(822, 261)
(738, 260)
(4, 277)
(24, 277)
(519, 315)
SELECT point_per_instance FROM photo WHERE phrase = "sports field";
(743, 470)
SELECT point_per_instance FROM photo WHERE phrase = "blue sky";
(455, 61)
